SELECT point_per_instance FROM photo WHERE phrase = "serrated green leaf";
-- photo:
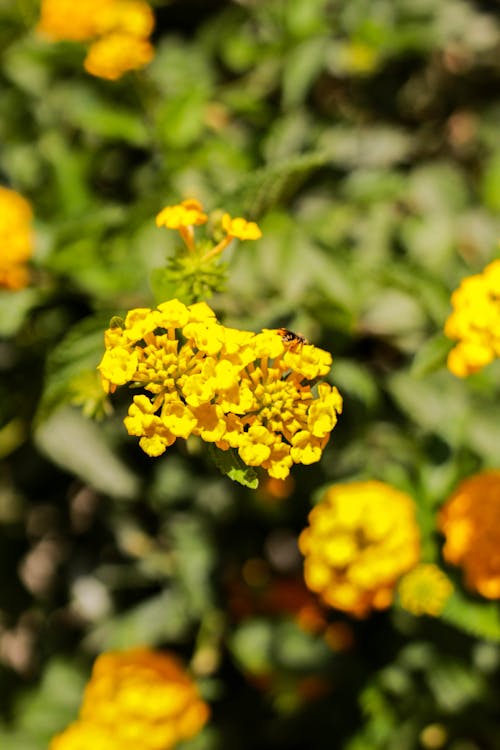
(231, 465)
(267, 187)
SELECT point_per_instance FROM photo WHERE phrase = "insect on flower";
(294, 340)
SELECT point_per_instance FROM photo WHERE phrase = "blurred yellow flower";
(116, 53)
(135, 698)
(70, 20)
(362, 536)
(82, 735)
(16, 239)
(234, 388)
(425, 590)
(470, 522)
(189, 212)
(132, 17)
(240, 228)
(118, 29)
(475, 322)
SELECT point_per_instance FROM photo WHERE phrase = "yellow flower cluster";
(475, 322)
(237, 389)
(16, 239)
(361, 538)
(425, 590)
(470, 522)
(135, 699)
(119, 32)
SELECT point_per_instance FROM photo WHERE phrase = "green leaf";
(46, 710)
(229, 463)
(80, 446)
(77, 355)
(302, 66)
(194, 557)
(80, 106)
(431, 356)
(154, 620)
(478, 618)
(163, 286)
(14, 306)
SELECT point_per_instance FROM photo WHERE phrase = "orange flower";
(136, 698)
(470, 522)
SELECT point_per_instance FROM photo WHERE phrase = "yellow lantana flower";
(361, 538)
(475, 322)
(135, 698)
(234, 388)
(425, 590)
(470, 522)
(16, 239)
(184, 214)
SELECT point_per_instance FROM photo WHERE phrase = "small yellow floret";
(185, 214)
(240, 228)
(425, 590)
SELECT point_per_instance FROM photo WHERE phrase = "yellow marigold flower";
(361, 538)
(16, 239)
(136, 698)
(425, 590)
(74, 21)
(234, 388)
(240, 228)
(470, 522)
(475, 322)
(116, 53)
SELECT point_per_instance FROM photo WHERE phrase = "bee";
(294, 340)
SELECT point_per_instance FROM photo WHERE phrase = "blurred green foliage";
(363, 136)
